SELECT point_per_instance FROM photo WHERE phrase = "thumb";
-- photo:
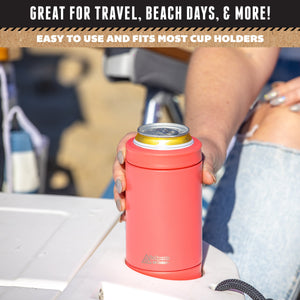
(208, 176)
(213, 159)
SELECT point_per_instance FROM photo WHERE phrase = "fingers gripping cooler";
(163, 202)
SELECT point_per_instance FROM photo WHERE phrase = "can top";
(163, 130)
(163, 136)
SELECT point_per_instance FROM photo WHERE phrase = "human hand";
(285, 93)
(213, 159)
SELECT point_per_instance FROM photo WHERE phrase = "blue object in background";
(109, 191)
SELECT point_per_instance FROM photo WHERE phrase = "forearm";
(222, 83)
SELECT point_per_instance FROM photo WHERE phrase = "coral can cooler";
(163, 202)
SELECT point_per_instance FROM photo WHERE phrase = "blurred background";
(65, 93)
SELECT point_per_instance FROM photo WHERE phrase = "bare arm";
(222, 83)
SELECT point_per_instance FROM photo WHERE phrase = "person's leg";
(255, 217)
